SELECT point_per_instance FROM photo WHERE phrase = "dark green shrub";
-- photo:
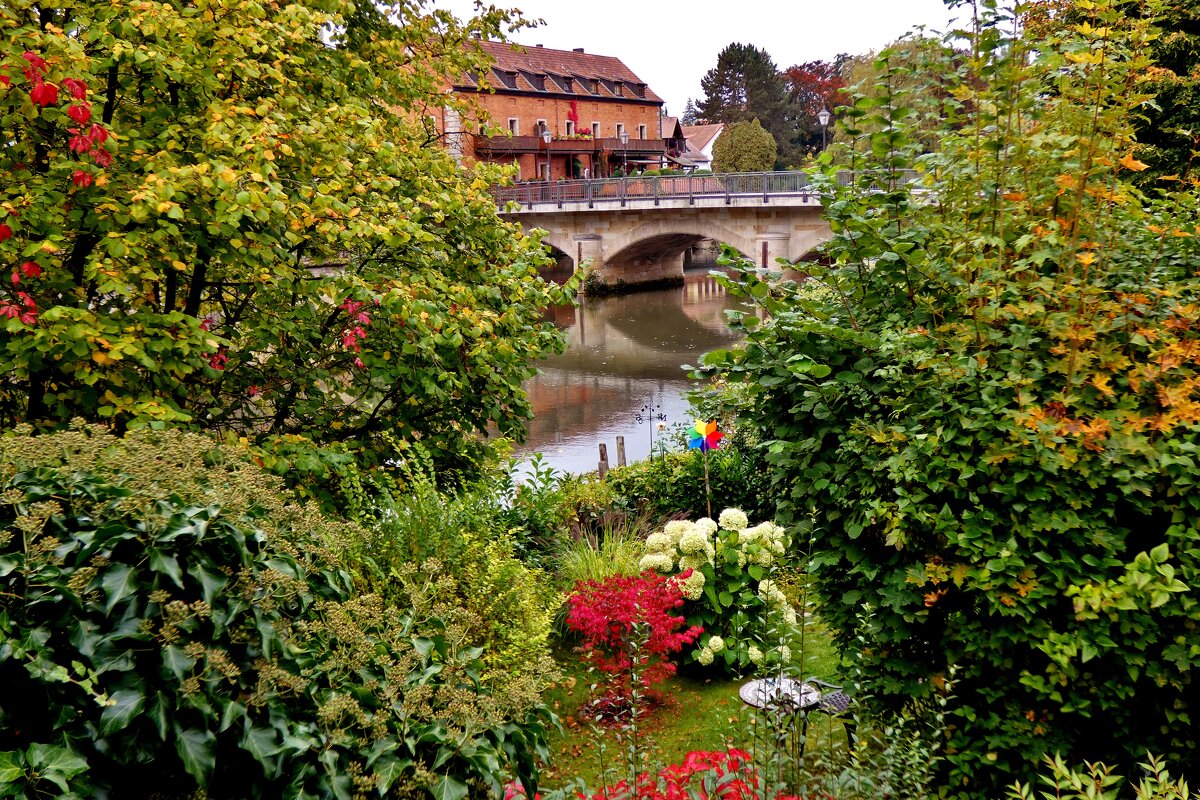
(673, 484)
(170, 622)
(989, 400)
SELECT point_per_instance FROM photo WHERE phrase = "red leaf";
(44, 94)
(78, 89)
(31, 269)
(80, 113)
(81, 178)
(5, 232)
(35, 61)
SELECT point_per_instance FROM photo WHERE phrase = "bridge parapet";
(791, 188)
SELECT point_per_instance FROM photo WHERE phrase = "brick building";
(601, 118)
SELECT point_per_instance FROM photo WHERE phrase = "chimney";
(578, 50)
(539, 45)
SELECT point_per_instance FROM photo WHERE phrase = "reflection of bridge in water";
(622, 354)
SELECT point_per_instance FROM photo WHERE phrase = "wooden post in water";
(603, 470)
(620, 451)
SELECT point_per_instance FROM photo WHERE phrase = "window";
(540, 128)
(514, 126)
(641, 131)
(570, 128)
(595, 130)
(620, 129)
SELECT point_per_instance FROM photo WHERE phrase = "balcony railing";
(726, 186)
(515, 145)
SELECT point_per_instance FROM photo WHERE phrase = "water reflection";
(623, 355)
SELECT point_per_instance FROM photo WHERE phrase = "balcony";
(516, 145)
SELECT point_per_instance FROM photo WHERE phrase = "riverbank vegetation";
(252, 543)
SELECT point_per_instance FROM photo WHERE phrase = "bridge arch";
(633, 231)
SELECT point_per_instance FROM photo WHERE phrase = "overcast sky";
(670, 45)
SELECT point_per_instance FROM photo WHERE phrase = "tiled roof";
(669, 125)
(569, 72)
(700, 135)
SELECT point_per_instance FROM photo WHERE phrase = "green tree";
(1168, 132)
(987, 400)
(232, 217)
(744, 147)
(745, 85)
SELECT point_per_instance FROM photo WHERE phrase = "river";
(623, 359)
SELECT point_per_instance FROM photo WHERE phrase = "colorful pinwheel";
(705, 436)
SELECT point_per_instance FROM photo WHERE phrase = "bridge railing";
(655, 188)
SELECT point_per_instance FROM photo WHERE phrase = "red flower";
(31, 269)
(218, 360)
(358, 362)
(44, 94)
(81, 178)
(35, 61)
(5, 232)
(78, 89)
(80, 113)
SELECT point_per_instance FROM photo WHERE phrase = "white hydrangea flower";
(733, 519)
(776, 599)
(710, 552)
(755, 655)
(676, 528)
(716, 644)
(659, 562)
(692, 542)
(789, 615)
(765, 587)
(705, 525)
(691, 562)
(763, 558)
(705, 656)
(749, 536)
(693, 586)
(659, 543)
(741, 558)
(785, 653)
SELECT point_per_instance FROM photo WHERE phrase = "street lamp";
(546, 137)
(624, 154)
(823, 118)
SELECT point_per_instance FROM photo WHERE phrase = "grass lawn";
(700, 713)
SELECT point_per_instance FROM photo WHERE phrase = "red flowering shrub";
(715, 775)
(629, 629)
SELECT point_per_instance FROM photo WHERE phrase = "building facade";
(562, 114)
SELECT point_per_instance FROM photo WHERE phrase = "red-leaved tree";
(629, 629)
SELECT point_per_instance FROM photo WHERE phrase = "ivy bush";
(991, 406)
(170, 622)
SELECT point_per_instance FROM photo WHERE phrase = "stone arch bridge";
(637, 230)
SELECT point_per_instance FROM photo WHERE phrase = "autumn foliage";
(629, 628)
